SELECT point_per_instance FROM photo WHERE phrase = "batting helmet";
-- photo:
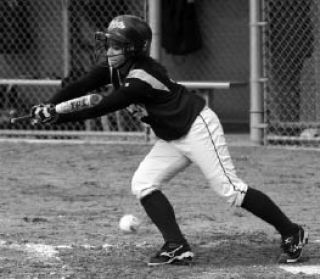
(133, 32)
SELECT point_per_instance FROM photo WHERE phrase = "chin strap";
(116, 74)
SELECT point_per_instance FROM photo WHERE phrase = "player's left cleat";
(172, 253)
(292, 246)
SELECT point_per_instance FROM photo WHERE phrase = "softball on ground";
(129, 223)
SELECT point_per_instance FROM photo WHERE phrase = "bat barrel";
(79, 104)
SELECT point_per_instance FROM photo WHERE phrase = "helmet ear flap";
(137, 50)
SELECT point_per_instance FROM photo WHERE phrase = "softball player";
(187, 131)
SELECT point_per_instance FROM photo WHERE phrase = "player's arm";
(97, 77)
(133, 92)
(116, 100)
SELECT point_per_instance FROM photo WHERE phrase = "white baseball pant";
(205, 146)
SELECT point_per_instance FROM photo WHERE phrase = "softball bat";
(73, 105)
(78, 104)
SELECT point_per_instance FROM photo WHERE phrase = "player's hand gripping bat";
(73, 105)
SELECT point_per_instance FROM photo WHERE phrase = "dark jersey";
(145, 90)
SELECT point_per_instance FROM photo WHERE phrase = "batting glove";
(44, 114)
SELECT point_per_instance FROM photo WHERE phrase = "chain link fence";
(291, 56)
(224, 26)
(46, 41)
(49, 41)
(52, 40)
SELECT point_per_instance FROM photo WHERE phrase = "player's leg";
(293, 236)
(205, 145)
(158, 167)
(212, 156)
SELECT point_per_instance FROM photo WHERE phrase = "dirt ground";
(60, 205)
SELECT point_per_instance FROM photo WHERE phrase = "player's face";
(115, 54)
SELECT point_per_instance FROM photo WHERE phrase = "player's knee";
(232, 192)
(236, 198)
(141, 188)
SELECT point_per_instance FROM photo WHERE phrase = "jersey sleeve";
(96, 78)
(130, 93)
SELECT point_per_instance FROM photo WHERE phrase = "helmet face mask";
(103, 44)
(116, 53)
(100, 46)
(126, 47)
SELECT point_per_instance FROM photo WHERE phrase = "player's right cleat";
(172, 253)
(292, 246)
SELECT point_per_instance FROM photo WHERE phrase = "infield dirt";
(60, 205)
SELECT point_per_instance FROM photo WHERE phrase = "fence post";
(256, 92)
(65, 37)
(155, 24)
(154, 20)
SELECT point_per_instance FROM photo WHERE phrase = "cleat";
(172, 253)
(292, 246)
